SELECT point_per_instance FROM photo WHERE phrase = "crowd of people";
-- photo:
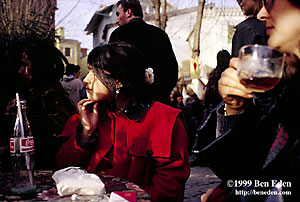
(119, 123)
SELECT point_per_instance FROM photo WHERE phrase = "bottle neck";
(22, 127)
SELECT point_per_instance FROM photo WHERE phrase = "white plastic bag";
(73, 180)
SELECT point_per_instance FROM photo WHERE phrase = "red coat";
(151, 151)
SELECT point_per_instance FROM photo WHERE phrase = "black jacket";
(249, 31)
(156, 47)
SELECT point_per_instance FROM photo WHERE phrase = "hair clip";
(149, 75)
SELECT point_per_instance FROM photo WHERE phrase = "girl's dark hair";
(295, 3)
(47, 64)
(123, 62)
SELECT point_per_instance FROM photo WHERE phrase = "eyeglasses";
(268, 5)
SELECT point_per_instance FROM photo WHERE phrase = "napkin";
(122, 196)
(73, 180)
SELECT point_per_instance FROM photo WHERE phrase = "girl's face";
(95, 89)
(282, 25)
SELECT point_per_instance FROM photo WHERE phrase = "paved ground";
(200, 180)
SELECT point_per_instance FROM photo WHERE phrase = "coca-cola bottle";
(22, 152)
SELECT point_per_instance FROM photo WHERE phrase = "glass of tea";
(260, 67)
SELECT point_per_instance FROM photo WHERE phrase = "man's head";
(127, 10)
(251, 7)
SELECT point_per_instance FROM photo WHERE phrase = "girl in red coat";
(121, 132)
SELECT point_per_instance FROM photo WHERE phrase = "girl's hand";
(234, 93)
(89, 118)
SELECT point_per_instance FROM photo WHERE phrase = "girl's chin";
(90, 97)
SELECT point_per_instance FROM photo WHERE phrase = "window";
(68, 52)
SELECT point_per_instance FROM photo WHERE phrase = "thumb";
(234, 63)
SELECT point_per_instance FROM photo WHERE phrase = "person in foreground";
(257, 154)
(119, 131)
(37, 80)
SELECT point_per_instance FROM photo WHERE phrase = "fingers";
(229, 84)
(88, 111)
(81, 105)
(233, 93)
(84, 102)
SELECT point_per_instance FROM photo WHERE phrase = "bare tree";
(197, 29)
(164, 16)
(160, 8)
(24, 23)
(19, 18)
(156, 4)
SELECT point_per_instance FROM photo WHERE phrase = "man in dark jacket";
(154, 44)
(251, 30)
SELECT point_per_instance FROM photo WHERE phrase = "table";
(46, 188)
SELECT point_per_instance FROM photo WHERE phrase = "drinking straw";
(20, 114)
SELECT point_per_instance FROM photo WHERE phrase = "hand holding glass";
(260, 67)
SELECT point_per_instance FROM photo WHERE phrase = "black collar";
(136, 20)
(136, 109)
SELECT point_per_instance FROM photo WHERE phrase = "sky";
(180, 3)
(74, 15)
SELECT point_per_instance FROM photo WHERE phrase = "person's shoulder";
(118, 30)
(73, 82)
(145, 25)
(78, 80)
(130, 25)
(158, 106)
(255, 21)
(125, 31)
(252, 22)
(155, 29)
(136, 26)
(78, 83)
(245, 26)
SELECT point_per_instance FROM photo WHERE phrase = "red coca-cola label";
(26, 144)
(12, 145)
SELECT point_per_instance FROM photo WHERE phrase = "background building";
(72, 51)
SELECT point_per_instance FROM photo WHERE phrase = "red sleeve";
(70, 154)
(171, 174)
